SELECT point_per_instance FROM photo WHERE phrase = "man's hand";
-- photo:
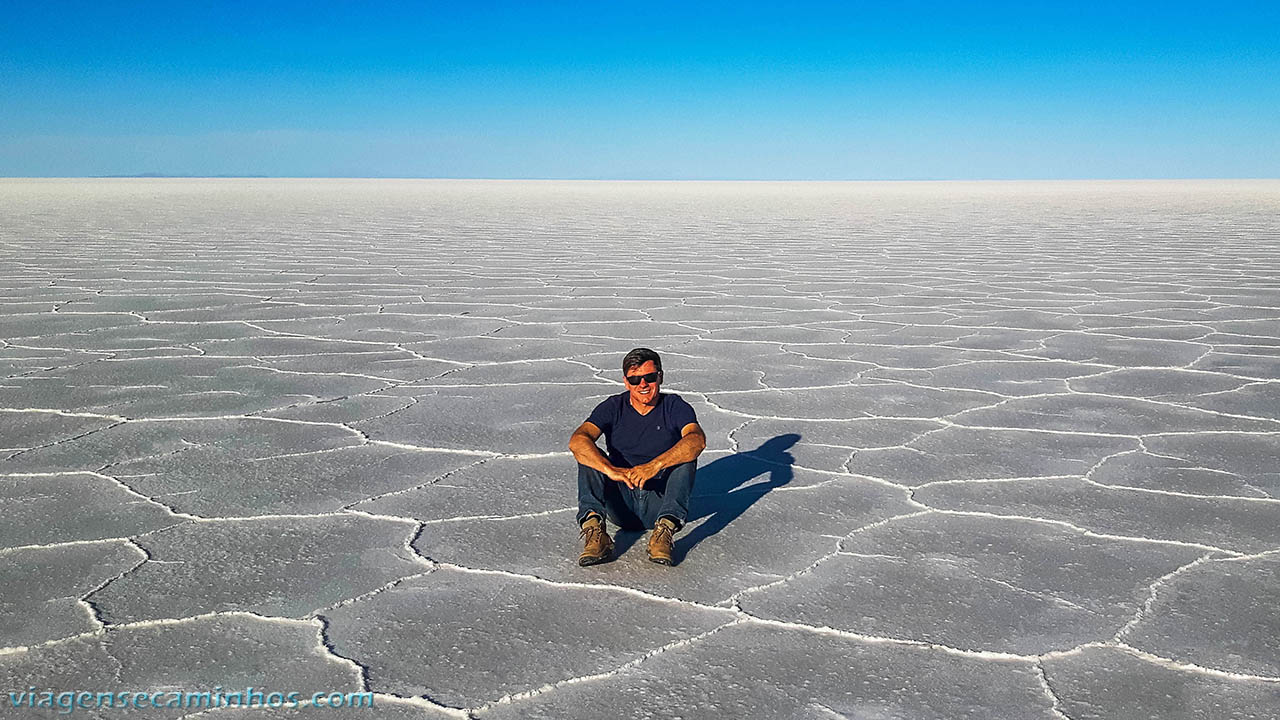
(637, 476)
(631, 477)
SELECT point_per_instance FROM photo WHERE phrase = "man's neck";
(643, 409)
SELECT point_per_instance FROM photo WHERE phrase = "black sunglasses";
(648, 377)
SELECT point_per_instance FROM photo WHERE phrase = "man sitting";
(653, 442)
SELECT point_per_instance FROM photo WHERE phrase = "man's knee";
(684, 472)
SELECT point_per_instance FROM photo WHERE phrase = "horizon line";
(161, 176)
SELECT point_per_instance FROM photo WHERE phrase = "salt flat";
(990, 450)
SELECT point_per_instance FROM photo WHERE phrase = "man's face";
(646, 393)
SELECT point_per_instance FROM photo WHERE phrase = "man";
(645, 481)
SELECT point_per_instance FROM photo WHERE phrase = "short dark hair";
(640, 356)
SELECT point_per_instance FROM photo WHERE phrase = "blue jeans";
(666, 495)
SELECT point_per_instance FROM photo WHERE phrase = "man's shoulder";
(674, 402)
(612, 402)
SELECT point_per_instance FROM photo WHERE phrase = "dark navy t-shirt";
(633, 439)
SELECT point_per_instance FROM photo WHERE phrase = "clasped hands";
(635, 477)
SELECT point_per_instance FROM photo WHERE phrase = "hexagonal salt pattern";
(974, 450)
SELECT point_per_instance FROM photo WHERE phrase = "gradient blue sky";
(631, 90)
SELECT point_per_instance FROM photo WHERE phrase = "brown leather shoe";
(661, 547)
(597, 546)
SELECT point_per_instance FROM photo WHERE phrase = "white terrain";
(976, 450)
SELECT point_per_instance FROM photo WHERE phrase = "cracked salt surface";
(975, 450)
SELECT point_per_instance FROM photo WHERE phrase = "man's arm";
(582, 443)
(687, 449)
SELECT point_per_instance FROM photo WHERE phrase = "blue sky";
(630, 90)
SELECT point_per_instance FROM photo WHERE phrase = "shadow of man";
(723, 489)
